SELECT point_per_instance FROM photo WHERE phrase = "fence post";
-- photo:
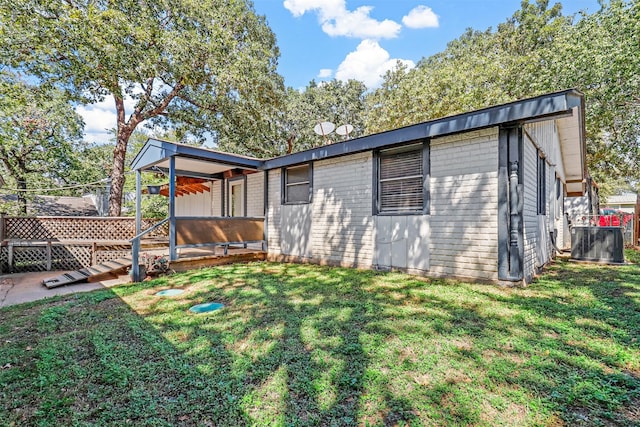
(94, 253)
(2, 226)
(49, 263)
(10, 257)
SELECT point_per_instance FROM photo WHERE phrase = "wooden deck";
(189, 259)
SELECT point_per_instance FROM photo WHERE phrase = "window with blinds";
(400, 180)
(297, 184)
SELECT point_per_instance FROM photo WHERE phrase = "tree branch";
(164, 103)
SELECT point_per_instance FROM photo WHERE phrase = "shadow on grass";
(306, 345)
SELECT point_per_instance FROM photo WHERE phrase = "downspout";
(515, 224)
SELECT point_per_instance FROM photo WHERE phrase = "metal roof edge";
(177, 149)
(516, 111)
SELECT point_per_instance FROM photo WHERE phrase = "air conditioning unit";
(599, 244)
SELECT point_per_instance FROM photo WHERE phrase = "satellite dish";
(344, 130)
(324, 128)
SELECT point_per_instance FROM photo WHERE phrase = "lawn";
(306, 345)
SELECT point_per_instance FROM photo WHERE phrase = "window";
(401, 177)
(559, 198)
(296, 184)
(542, 187)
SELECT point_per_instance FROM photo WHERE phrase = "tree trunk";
(124, 131)
(117, 173)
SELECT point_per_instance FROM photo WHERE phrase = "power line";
(68, 187)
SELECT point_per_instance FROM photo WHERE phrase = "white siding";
(255, 194)
(530, 215)
(216, 198)
(402, 241)
(464, 205)
(274, 213)
(198, 204)
(459, 238)
(541, 137)
(342, 230)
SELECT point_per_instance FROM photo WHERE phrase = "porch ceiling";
(571, 134)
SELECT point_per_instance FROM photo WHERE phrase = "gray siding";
(464, 205)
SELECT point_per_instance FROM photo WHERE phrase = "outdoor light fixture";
(153, 189)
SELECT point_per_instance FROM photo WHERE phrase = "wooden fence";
(65, 243)
(44, 228)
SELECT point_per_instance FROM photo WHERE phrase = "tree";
(537, 50)
(39, 135)
(203, 69)
(334, 101)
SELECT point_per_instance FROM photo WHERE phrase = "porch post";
(173, 253)
(135, 244)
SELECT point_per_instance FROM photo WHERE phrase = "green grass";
(305, 345)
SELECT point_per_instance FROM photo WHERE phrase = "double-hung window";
(402, 180)
(296, 184)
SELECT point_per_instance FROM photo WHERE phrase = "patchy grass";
(306, 345)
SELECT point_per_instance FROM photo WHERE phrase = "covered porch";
(216, 204)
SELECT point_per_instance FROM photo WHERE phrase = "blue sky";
(323, 39)
(361, 39)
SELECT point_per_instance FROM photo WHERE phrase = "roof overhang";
(566, 105)
(571, 132)
(190, 161)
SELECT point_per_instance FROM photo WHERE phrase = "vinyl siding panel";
(542, 138)
(198, 204)
(216, 198)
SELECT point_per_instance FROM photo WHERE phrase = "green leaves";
(39, 135)
(204, 69)
(537, 50)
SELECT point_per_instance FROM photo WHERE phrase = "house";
(55, 205)
(478, 196)
(625, 202)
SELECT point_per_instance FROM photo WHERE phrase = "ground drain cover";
(169, 292)
(206, 307)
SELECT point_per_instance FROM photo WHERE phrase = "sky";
(360, 39)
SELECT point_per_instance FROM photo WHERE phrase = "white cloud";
(336, 20)
(325, 73)
(100, 118)
(421, 17)
(368, 64)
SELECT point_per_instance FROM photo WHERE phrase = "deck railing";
(194, 232)
(44, 228)
(47, 243)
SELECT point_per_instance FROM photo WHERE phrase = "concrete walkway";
(25, 287)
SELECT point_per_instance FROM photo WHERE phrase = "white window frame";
(286, 185)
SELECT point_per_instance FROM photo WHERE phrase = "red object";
(609, 221)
